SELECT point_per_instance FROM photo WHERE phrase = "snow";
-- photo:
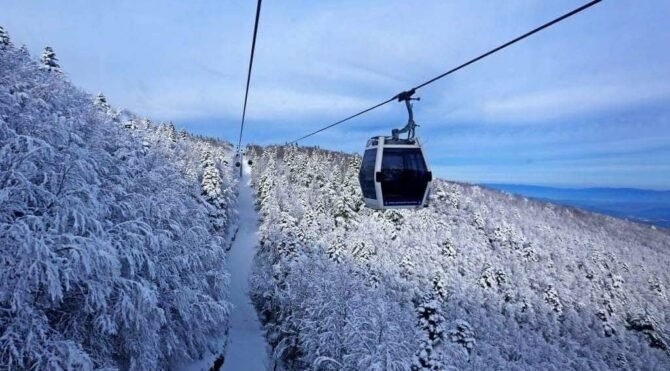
(116, 253)
(479, 280)
(247, 349)
(108, 255)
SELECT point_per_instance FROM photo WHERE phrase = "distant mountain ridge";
(642, 205)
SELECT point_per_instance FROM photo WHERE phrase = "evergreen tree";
(431, 323)
(171, 132)
(145, 123)
(439, 287)
(406, 266)
(100, 101)
(183, 134)
(462, 334)
(361, 251)
(49, 60)
(335, 250)
(447, 248)
(5, 42)
(349, 201)
(211, 190)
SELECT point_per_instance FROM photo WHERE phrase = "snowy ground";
(247, 349)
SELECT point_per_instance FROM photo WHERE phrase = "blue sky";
(582, 104)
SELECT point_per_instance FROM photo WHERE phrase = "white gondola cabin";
(394, 174)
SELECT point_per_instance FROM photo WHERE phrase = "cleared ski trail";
(246, 349)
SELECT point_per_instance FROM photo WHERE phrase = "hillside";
(479, 280)
(115, 235)
(113, 230)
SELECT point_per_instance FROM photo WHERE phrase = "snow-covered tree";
(431, 323)
(462, 334)
(509, 278)
(101, 102)
(552, 298)
(447, 248)
(440, 287)
(49, 60)
(171, 132)
(336, 250)
(106, 261)
(5, 41)
(212, 191)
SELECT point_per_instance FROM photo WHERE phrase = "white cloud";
(569, 102)
(265, 103)
(318, 62)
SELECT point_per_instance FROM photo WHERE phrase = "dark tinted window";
(406, 159)
(366, 176)
(404, 176)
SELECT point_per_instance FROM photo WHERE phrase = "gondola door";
(403, 177)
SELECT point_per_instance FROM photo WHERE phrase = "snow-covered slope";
(479, 280)
(112, 230)
(246, 348)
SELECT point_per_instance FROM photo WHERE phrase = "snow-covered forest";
(113, 229)
(479, 280)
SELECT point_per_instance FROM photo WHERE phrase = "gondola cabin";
(394, 174)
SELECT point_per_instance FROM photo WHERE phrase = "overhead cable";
(251, 63)
(411, 91)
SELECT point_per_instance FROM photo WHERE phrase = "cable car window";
(409, 159)
(367, 174)
(404, 176)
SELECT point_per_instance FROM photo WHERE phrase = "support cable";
(251, 63)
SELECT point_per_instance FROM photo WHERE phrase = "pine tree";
(439, 287)
(552, 298)
(183, 134)
(431, 323)
(349, 201)
(395, 217)
(463, 334)
(335, 250)
(145, 123)
(292, 236)
(171, 132)
(361, 251)
(447, 248)
(5, 42)
(49, 60)
(101, 102)
(406, 266)
(211, 190)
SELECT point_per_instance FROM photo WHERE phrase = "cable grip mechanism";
(410, 128)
